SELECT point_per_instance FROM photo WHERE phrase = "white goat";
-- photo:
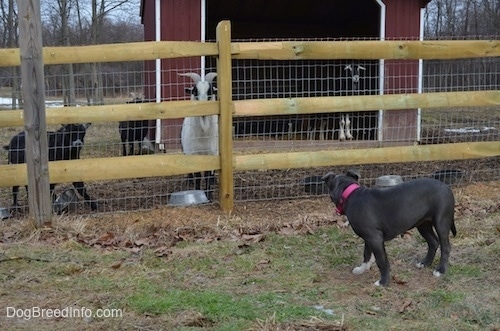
(200, 134)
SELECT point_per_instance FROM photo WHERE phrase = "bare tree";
(11, 40)
(453, 18)
(69, 93)
(100, 8)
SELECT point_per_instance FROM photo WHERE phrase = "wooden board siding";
(180, 21)
(402, 22)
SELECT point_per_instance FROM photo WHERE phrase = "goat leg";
(15, 196)
(348, 127)
(194, 178)
(197, 180)
(80, 188)
(210, 182)
(341, 130)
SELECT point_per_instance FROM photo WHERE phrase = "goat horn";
(210, 76)
(193, 75)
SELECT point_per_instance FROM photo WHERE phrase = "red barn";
(289, 19)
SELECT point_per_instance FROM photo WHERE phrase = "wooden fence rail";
(283, 50)
(161, 165)
(260, 107)
(226, 162)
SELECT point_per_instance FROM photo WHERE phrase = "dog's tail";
(453, 228)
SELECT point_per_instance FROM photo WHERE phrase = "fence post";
(32, 77)
(225, 96)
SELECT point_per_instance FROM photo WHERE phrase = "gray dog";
(378, 215)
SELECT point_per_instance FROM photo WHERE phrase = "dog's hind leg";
(444, 240)
(427, 231)
(368, 260)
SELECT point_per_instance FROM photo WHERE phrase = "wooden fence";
(226, 108)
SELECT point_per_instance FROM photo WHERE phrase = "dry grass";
(166, 266)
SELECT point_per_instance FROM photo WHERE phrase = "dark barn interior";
(295, 18)
(305, 20)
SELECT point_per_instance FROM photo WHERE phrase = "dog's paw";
(358, 270)
(377, 283)
(361, 269)
(436, 273)
(420, 265)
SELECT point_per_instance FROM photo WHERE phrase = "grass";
(215, 280)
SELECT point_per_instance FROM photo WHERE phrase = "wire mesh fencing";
(118, 83)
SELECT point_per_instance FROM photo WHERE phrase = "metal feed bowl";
(449, 176)
(388, 181)
(64, 200)
(314, 185)
(188, 198)
(4, 213)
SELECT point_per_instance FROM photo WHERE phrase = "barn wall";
(401, 76)
(180, 20)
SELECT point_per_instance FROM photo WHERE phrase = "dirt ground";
(162, 228)
(209, 222)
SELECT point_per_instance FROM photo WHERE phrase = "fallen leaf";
(242, 249)
(106, 238)
(142, 241)
(255, 238)
(405, 305)
(398, 280)
(116, 265)
(134, 250)
(163, 251)
(262, 264)
(287, 231)
(9, 234)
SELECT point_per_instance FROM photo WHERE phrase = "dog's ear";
(354, 174)
(326, 178)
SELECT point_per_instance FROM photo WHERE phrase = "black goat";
(64, 144)
(132, 132)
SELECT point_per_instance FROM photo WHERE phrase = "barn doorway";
(272, 20)
(257, 19)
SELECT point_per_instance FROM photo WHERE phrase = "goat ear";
(348, 67)
(361, 68)
(354, 174)
(326, 178)
(193, 75)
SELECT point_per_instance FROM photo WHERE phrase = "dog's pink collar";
(347, 192)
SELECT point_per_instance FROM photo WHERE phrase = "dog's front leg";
(378, 249)
(368, 260)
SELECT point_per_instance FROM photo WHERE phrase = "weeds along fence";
(295, 129)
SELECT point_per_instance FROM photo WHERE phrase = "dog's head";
(336, 184)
